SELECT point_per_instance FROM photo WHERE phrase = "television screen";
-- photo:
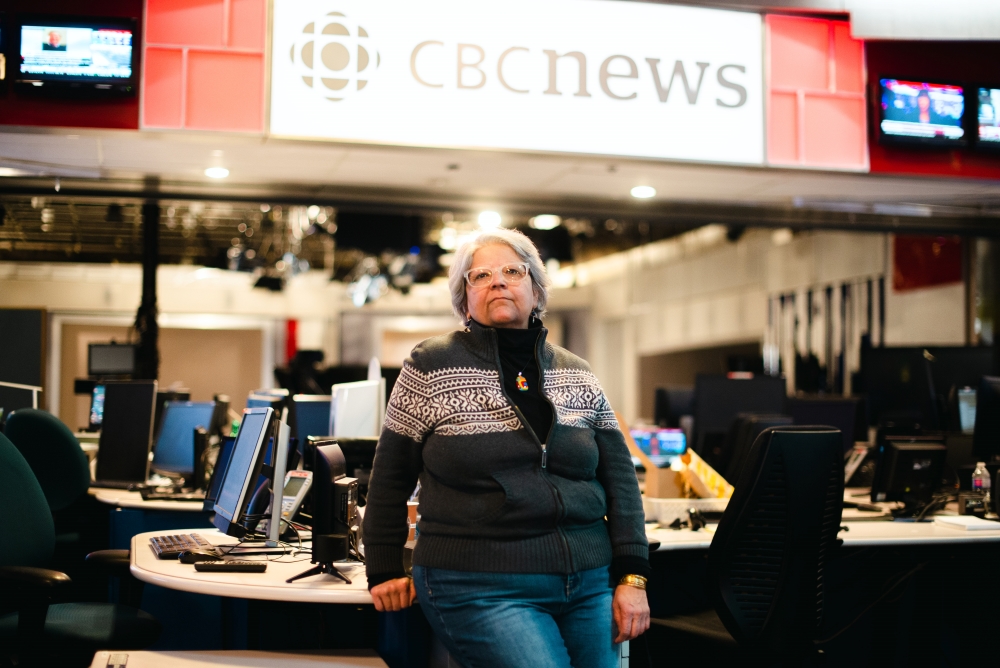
(61, 51)
(662, 445)
(913, 110)
(989, 115)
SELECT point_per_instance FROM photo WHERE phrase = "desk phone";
(297, 484)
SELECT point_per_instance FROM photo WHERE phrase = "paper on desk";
(967, 523)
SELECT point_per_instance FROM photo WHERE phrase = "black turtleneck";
(517, 355)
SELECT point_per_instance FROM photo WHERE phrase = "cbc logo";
(334, 56)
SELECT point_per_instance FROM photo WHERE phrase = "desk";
(243, 659)
(125, 499)
(859, 534)
(267, 586)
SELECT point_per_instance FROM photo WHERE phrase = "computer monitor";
(110, 359)
(244, 468)
(899, 385)
(662, 445)
(126, 432)
(908, 469)
(953, 368)
(358, 409)
(967, 410)
(843, 413)
(175, 448)
(310, 415)
(986, 434)
(96, 406)
(359, 456)
(326, 460)
(671, 403)
(718, 399)
(164, 397)
(218, 472)
(740, 439)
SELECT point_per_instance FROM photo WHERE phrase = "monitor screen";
(97, 406)
(126, 432)
(174, 451)
(922, 111)
(989, 116)
(71, 51)
(244, 463)
(312, 415)
(967, 409)
(110, 359)
(662, 446)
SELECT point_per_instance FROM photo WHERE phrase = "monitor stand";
(326, 549)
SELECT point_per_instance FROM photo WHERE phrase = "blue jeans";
(515, 620)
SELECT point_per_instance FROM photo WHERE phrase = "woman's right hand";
(394, 595)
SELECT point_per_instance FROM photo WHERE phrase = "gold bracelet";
(636, 581)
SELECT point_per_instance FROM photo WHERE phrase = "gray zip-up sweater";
(494, 495)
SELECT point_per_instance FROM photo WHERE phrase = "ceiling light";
(489, 220)
(216, 172)
(643, 192)
(545, 222)
(14, 171)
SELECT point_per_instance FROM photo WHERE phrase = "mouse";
(194, 556)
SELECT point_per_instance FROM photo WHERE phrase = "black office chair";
(767, 560)
(43, 631)
(53, 454)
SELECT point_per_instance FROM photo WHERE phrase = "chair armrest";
(111, 562)
(33, 580)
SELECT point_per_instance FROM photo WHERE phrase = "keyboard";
(168, 547)
(119, 484)
(151, 495)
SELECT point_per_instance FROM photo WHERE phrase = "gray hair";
(517, 242)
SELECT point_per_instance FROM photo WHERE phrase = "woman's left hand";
(630, 611)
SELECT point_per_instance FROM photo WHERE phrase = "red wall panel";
(815, 94)
(215, 79)
(966, 63)
(19, 107)
(922, 262)
(224, 91)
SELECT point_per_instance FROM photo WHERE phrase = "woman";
(532, 549)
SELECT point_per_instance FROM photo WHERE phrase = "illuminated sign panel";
(568, 76)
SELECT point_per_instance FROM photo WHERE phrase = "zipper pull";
(545, 455)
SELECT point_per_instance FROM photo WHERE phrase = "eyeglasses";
(482, 276)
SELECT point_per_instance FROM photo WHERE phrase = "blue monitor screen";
(241, 465)
(97, 406)
(662, 446)
(312, 418)
(175, 446)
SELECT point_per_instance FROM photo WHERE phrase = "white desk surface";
(268, 586)
(126, 499)
(859, 534)
(244, 659)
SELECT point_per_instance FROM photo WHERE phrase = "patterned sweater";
(495, 496)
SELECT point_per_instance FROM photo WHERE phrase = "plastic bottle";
(981, 482)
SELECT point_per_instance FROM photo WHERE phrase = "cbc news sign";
(596, 77)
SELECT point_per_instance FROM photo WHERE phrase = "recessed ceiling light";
(643, 192)
(546, 221)
(489, 220)
(216, 172)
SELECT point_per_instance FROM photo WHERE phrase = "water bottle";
(981, 483)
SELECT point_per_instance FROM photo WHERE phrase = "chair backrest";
(768, 556)
(27, 534)
(53, 454)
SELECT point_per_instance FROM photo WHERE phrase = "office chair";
(765, 574)
(53, 454)
(43, 631)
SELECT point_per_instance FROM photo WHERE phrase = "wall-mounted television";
(921, 112)
(80, 53)
(988, 118)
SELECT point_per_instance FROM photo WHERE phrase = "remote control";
(231, 566)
